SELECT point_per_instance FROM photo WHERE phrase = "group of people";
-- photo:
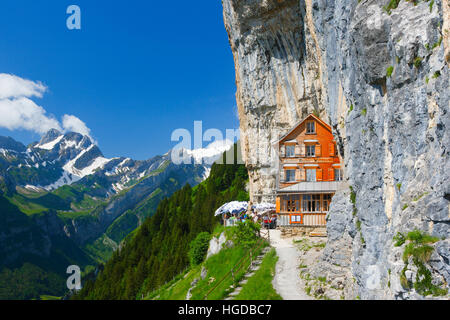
(235, 217)
(266, 220)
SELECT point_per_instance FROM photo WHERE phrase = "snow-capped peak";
(50, 145)
(206, 155)
(50, 136)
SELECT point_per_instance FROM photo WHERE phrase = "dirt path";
(287, 281)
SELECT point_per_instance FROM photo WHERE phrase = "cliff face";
(278, 78)
(379, 75)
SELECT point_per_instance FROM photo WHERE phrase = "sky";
(136, 71)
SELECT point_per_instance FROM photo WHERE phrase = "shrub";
(436, 74)
(353, 200)
(199, 248)
(393, 4)
(420, 238)
(352, 195)
(403, 280)
(246, 233)
(364, 111)
(424, 285)
(421, 253)
(437, 43)
(389, 71)
(417, 62)
(431, 5)
(399, 239)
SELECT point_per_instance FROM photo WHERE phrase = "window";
(290, 175)
(290, 151)
(326, 202)
(311, 203)
(290, 203)
(315, 203)
(306, 203)
(310, 127)
(338, 174)
(311, 175)
(295, 218)
(310, 151)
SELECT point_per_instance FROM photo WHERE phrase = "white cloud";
(12, 86)
(23, 113)
(18, 111)
(72, 123)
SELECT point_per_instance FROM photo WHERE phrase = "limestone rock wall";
(380, 77)
(277, 75)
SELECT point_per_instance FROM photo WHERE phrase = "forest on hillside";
(158, 250)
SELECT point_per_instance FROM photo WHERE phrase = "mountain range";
(61, 200)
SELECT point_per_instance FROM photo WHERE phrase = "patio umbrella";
(232, 207)
(263, 207)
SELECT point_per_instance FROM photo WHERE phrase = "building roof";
(300, 123)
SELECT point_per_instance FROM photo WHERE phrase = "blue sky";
(136, 70)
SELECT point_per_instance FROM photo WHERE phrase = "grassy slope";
(259, 286)
(177, 288)
(218, 266)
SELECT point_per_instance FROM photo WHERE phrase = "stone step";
(236, 292)
(254, 268)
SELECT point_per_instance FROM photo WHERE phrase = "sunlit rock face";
(380, 77)
(278, 79)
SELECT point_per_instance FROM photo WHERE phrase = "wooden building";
(310, 173)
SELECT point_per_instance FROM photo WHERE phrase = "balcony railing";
(311, 186)
(308, 220)
(297, 155)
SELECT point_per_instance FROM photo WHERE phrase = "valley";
(81, 213)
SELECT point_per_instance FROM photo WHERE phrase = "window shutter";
(278, 206)
(282, 150)
(331, 174)
(302, 174)
(332, 151)
(318, 150)
(298, 174)
(282, 175)
(302, 150)
(319, 174)
(297, 150)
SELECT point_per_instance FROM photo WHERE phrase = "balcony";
(311, 187)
